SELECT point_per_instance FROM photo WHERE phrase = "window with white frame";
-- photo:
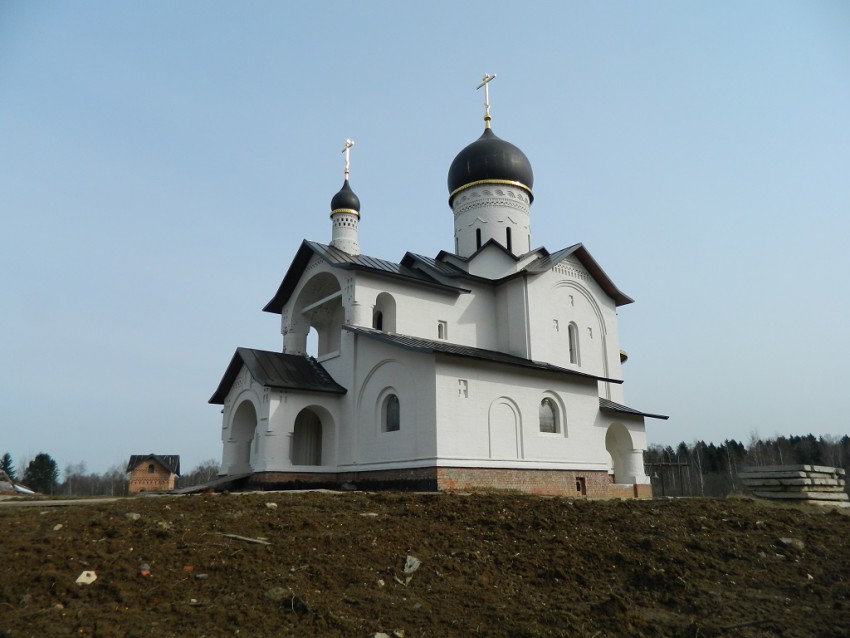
(442, 330)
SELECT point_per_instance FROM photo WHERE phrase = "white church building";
(494, 366)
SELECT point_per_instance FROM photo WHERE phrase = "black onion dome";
(345, 200)
(490, 159)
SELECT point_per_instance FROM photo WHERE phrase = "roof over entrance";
(610, 406)
(277, 370)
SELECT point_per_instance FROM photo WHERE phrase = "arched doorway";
(618, 442)
(307, 439)
(503, 422)
(242, 431)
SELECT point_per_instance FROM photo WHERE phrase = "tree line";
(698, 469)
(706, 469)
(42, 475)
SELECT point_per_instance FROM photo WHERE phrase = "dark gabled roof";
(610, 406)
(441, 267)
(277, 370)
(467, 352)
(492, 242)
(170, 462)
(580, 252)
(340, 259)
(441, 264)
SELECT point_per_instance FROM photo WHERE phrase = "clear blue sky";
(160, 162)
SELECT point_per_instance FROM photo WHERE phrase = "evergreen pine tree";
(8, 466)
(42, 474)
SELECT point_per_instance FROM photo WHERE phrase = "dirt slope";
(491, 565)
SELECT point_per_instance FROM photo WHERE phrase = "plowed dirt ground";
(491, 565)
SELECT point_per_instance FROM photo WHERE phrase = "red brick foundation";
(591, 484)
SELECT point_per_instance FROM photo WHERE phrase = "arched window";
(548, 416)
(151, 469)
(384, 315)
(318, 308)
(391, 417)
(573, 337)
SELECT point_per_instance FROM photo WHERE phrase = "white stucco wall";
(567, 295)
(466, 393)
(512, 318)
(469, 317)
(492, 263)
(384, 370)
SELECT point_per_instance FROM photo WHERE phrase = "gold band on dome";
(344, 210)
(502, 182)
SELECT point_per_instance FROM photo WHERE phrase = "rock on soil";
(491, 565)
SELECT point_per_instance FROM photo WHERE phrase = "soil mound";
(355, 564)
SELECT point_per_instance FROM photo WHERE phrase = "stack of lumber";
(815, 484)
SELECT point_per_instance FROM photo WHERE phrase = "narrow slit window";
(477, 238)
(442, 330)
(508, 245)
(573, 338)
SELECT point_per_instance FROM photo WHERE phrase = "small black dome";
(345, 200)
(490, 158)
